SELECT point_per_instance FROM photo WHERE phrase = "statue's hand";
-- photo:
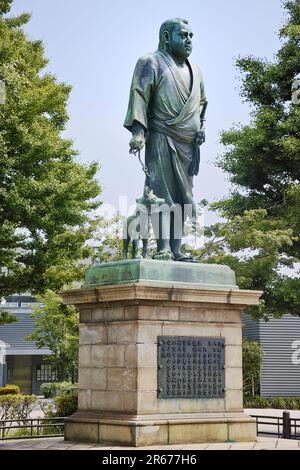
(200, 137)
(137, 142)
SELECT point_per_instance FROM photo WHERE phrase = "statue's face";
(180, 41)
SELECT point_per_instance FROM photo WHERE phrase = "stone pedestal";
(119, 328)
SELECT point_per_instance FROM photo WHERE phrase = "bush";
(66, 388)
(53, 389)
(17, 408)
(48, 389)
(66, 404)
(10, 390)
(280, 403)
(252, 361)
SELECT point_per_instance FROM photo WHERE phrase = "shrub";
(66, 404)
(66, 388)
(53, 389)
(48, 389)
(17, 408)
(252, 361)
(10, 390)
(282, 403)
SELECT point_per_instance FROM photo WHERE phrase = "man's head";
(175, 37)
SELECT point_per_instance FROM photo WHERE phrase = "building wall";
(281, 363)
(22, 371)
(250, 327)
(21, 356)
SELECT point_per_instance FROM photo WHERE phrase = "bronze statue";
(166, 113)
(137, 226)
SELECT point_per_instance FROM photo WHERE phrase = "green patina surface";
(139, 270)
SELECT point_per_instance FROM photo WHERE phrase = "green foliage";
(6, 317)
(252, 362)
(45, 194)
(57, 328)
(5, 6)
(17, 408)
(260, 235)
(280, 403)
(109, 236)
(66, 404)
(50, 390)
(10, 390)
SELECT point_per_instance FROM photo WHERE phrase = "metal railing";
(283, 426)
(33, 428)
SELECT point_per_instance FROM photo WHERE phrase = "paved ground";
(263, 443)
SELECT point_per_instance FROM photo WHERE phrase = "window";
(46, 373)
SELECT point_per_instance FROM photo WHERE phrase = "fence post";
(286, 429)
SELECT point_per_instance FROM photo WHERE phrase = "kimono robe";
(170, 113)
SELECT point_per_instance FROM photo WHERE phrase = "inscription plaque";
(191, 367)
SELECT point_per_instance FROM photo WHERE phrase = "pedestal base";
(160, 358)
(165, 429)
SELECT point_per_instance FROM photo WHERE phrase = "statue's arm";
(143, 83)
(138, 139)
(203, 101)
(203, 105)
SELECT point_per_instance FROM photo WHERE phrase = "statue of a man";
(166, 112)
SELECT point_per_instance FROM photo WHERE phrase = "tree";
(45, 194)
(263, 162)
(252, 362)
(57, 328)
(6, 317)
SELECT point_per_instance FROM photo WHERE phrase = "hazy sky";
(94, 45)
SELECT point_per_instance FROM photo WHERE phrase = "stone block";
(81, 432)
(232, 335)
(92, 334)
(191, 329)
(147, 355)
(201, 405)
(85, 377)
(151, 435)
(84, 356)
(122, 378)
(191, 314)
(148, 331)
(147, 379)
(233, 378)
(124, 332)
(131, 355)
(110, 355)
(131, 312)
(198, 432)
(152, 312)
(84, 399)
(234, 400)
(85, 316)
(107, 400)
(129, 403)
(116, 434)
(168, 406)
(98, 378)
(147, 402)
(233, 356)
(108, 314)
(222, 315)
(243, 431)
